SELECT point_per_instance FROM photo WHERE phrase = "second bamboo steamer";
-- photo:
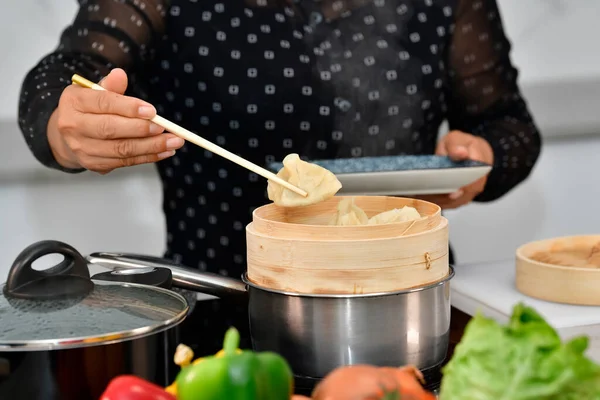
(294, 250)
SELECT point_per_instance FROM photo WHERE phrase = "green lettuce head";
(524, 360)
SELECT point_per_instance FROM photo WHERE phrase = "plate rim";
(438, 189)
(403, 171)
(477, 164)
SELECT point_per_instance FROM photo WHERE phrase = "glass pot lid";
(62, 307)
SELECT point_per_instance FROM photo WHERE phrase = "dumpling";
(349, 213)
(319, 183)
(403, 214)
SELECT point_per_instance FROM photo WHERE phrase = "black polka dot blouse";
(265, 78)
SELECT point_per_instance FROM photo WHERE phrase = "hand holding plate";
(460, 146)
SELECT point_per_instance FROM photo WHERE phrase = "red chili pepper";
(129, 387)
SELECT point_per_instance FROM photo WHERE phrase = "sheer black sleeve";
(105, 34)
(484, 97)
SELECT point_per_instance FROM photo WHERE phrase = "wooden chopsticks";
(205, 144)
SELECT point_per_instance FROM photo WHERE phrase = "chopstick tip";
(299, 191)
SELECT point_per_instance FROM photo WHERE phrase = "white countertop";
(490, 289)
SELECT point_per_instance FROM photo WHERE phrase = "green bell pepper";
(236, 375)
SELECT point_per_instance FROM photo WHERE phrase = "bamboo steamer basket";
(561, 270)
(294, 250)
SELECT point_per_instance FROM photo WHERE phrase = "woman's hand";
(104, 130)
(461, 146)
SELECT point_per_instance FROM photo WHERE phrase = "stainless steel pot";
(317, 333)
(64, 336)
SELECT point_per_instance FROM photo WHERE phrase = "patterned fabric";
(266, 78)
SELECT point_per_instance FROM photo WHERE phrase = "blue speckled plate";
(401, 175)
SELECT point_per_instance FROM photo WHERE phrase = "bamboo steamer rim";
(520, 253)
(426, 286)
(556, 283)
(441, 225)
(437, 212)
(337, 261)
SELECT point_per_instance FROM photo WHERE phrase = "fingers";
(91, 101)
(127, 148)
(439, 199)
(475, 152)
(115, 81)
(456, 195)
(458, 153)
(105, 165)
(112, 126)
(462, 146)
(455, 145)
(104, 130)
(440, 149)
(476, 187)
(110, 101)
(448, 203)
(461, 197)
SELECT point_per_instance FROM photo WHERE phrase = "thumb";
(115, 81)
(457, 144)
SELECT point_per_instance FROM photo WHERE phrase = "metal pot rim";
(353, 296)
(104, 339)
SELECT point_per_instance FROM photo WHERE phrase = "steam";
(360, 58)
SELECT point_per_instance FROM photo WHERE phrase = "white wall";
(553, 39)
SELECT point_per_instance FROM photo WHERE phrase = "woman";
(264, 78)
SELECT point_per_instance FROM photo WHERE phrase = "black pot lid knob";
(69, 278)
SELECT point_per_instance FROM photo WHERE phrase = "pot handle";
(185, 278)
(69, 278)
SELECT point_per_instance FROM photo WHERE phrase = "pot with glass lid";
(64, 335)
